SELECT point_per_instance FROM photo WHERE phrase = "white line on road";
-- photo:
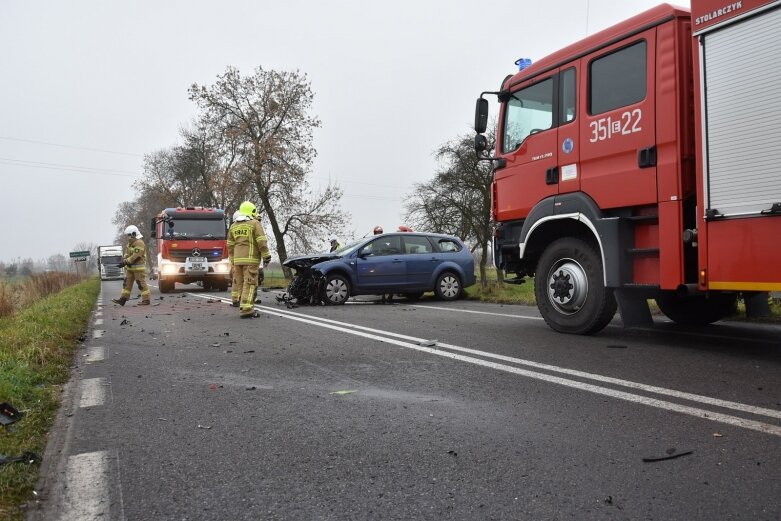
(98, 321)
(98, 313)
(86, 495)
(95, 354)
(93, 392)
(661, 404)
(98, 333)
(478, 312)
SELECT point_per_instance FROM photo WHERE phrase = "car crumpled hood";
(307, 261)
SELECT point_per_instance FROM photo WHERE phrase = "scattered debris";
(226, 334)
(124, 322)
(25, 457)
(615, 346)
(428, 343)
(212, 300)
(452, 452)
(9, 414)
(250, 351)
(216, 344)
(251, 388)
(718, 435)
(608, 500)
(163, 419)
(671, 454)
(213, 387)
(343, 392)
(204, 426)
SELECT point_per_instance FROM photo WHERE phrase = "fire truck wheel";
(570, 289)
(697, 310)
(336, 290)
(166, 286)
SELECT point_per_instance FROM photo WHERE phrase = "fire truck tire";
(570, 290)
(697, 310)
(336, 290)
(166, 286)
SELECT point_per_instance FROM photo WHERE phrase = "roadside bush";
(21, 294)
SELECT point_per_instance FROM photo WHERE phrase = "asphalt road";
(426, 410)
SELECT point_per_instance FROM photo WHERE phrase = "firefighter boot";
(143, 302)
(121, 301)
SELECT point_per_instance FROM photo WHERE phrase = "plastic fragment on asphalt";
(204, 426)
(343, 392)
(717, 435)
(428, 343)
(616, 346)
(670, 455)
(216, 344)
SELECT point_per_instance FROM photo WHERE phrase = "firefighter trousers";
(246, 278)
(136, 276)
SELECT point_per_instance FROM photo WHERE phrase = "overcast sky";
(89, 87)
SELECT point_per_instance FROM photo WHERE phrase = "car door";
(421, 260)
(381, 266)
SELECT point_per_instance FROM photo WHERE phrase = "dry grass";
(20, 294)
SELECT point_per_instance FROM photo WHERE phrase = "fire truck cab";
(191, 247)
(642, 162)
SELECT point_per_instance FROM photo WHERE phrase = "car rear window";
(448, 245)
(415, 244)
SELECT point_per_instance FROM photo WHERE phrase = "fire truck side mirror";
(153, 226)
(481, 143)
(481, 115)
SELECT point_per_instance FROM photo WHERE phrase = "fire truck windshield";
(111, 259)
(196, 229)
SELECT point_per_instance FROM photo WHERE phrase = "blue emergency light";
(522, 63)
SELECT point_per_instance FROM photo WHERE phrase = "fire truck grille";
(213, 254)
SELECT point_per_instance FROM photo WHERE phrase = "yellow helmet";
(248, 209)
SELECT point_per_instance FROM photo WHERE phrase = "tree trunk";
(279, 237)
(483, 261)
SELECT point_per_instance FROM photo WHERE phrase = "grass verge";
(36, 352)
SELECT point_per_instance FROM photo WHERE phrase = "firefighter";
(135, 267)
(235, 286)
(247, 245)
(377, 230)
(334, 243)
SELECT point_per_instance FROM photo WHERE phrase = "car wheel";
(336, 290)
(448, 286)
(570, 290)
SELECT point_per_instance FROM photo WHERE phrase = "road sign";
(80, 259)
(79, 254)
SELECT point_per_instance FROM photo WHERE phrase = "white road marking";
(98, 333)
(95, 354)
(87, 494)
(98, 313)
(93, 392)
(478, 312)
(652, 402)
(98, 321)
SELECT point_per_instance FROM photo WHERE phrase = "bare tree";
(457, 200)
(268, 112)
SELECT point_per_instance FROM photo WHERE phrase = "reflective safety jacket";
(247, 243)
(135, 255)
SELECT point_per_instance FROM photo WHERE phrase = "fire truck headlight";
(169, 269)
(222, 268)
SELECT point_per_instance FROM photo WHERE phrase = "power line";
(67, 168)
(69, 146)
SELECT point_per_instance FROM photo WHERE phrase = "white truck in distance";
(109, 258)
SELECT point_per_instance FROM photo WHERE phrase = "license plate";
(196, 264)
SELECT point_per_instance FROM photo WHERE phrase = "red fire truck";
(191, 247)
(643, 162)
